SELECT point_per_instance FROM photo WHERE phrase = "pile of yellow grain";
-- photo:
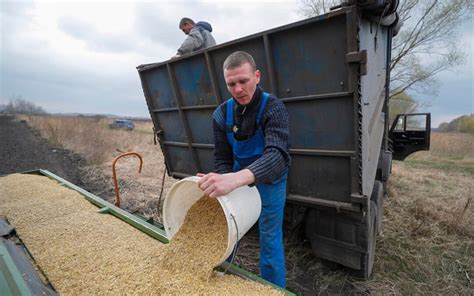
(84, 252)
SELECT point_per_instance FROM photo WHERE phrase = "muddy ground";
(22, 149)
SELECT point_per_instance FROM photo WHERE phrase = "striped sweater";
(276, 158)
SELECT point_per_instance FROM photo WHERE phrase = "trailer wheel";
(367, 260)
(378, 197)
(386, 168)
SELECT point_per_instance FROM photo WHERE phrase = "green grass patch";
(144, 131)
(442, 165)
(423, 265)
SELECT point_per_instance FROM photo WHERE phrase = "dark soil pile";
(22, 149)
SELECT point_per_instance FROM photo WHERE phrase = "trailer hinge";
(358, 198)
(156, 135)
(358, 57)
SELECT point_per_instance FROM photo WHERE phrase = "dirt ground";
(22, 149)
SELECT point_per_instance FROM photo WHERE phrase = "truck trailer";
(333, 74)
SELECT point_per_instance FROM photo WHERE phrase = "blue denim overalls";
(273, 195)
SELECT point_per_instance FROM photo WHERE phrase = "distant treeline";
(462, 124)
(20, 106)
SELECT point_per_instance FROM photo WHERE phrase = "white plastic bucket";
(241, 208)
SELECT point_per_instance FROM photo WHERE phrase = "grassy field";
(427, 242)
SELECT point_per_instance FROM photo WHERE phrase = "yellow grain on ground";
(84, 252)
(80, 251)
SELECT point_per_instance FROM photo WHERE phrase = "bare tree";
(310, 8)
(427, 43)
(403, 103)
(21, 106)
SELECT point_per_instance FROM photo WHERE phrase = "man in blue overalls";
(251, 147)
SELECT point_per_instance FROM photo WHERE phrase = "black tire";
(386, 169)
(367, 260)
(386, 166)
(378, 197)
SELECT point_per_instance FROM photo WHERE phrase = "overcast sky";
(82, 56)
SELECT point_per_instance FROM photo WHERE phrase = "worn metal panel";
(324, 123)
(160, 90)
(337, 236)
(354, 72)
(310, 59)
(194, 82)
(178, 97)
(325, 177)
(200, 125)
(172, 126)
(212, 76)
(373, 39)
(342, 229)
(182, 160)
(206, 157)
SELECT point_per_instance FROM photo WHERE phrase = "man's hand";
(175, 56)
(215, 185)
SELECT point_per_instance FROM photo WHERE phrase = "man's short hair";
(185, 20)
(237, 59)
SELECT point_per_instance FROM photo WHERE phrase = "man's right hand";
(215, 185)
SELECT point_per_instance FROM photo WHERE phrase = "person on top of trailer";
(198, 36)
(251, 147)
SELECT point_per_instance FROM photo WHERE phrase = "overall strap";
(262, 107)
(229, 120)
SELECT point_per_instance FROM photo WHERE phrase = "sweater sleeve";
(275, 159)
(193, 41)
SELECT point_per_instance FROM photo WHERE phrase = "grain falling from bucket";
(201, 241)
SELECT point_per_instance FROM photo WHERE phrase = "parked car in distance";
(122, 124)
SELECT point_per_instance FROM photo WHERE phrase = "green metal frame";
(11, 280)
(234, 269)
(154, 230)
